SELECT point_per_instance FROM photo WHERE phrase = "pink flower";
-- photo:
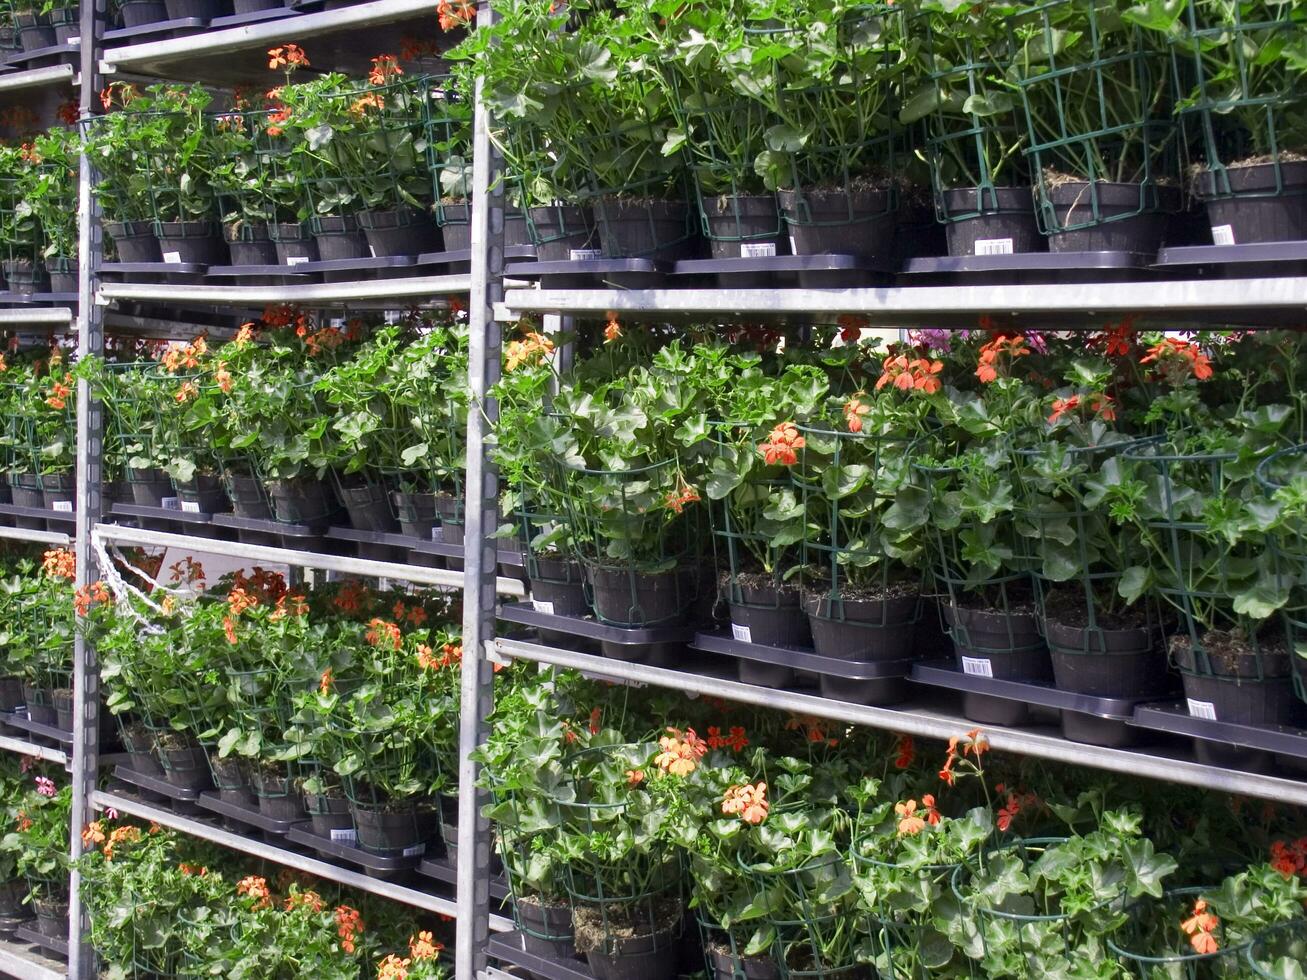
(45, 786)
(111, 813)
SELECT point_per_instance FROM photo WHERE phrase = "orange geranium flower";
(288, 56)
(854, 409)
(749, 801)
(910, 375)
(612, 329)
(1177, 359)
(1200, 927)
(59, 563)
(851, 326)
(453, 14)
(677, 499)
(93, 834)
(1062, 406)
(384, 68)
(423, 946)
(906, 752)
(996, 357)
(255, 887)
(531, 349)
(681, 752)
(381, 632)
(779, 449)
(910, 822)
(349, 926)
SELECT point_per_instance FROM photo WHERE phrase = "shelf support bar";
(480, 514)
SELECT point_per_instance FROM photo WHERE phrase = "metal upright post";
(90, 342)
(477, 694)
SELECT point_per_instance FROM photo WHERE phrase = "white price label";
(170, 503)
(435, 534)
(540, 606)
(1222, 234)
(415, 850)
(757, 250)
(372, 251)
(191, 506)
(794, 246)
(63, 506)
(977, 666)
(297, 259)
(346, 836)
(741, 633)
(585, 254)
(173, 258)
(993, 246)
(1202, 709)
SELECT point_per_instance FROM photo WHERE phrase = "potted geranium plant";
(21, 243)
(39, 837)
(117, 145)
(50, 189)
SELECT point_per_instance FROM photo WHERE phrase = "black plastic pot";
(1140, 233)
(34, 30)
(858, 629)
(139, 744)
(386, 831)
(231, 777)
(248, 242)
(302, 500)
(368, 507)
(768, 615)
(558, 587)
(293, 242)
(203, 9)
(562, 229)
(149, 487)
(626, 597)
(25, 490)
(40, 704)
(204, 491)
(837, 222)
(250, 6)
(726, 966)
(994, 644)
(11, 693)
(450, 509)
(62, 272)
(745, 225)
(1242, 700)
(58, 489)
(330, 818)
(1107, 663)
(66, 23)
(278, 798)
(134, 241)
(644, 228)
(1261, 205)
(647, 957)
(1004, 221)
(137, 13)
(6, 494)
(192, 241)
(546, 929)
(62, 698)
(185, 764)
(23, 276)
(416, 512)
(12, 894)
(51, 917)
(247, 496)
(338, 238)
(403, 231)
(456, 227)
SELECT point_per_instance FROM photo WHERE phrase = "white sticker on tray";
(63, 506)
(993, 246)
(170, 503)
(191, 506)
(585, 254)
(741, 633)
(794, 245)
(346, 836)
(173, 258)
(1202, 709)
(372, 251)
(296, 259)
(757, 250)
(540, 606)
(415, 850)
(977, 666)
(1222, 234)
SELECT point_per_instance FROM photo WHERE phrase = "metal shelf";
(22, 747)
(38, 77)
(36, 316)
(18, 959)
(33, 535)
(382, 293)
(1219, 300)
(927, 723)
(291, 859)
(419, 574)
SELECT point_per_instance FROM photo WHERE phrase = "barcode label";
(993, 246)
(1202, 709)
(346, 836)
(173, 258)
(585, 254)
(977, 666)
(1222, 234)
(540, 606)
(63, 506)
(415, 850)
(170, 503)
(296, 259)
(435, 533)
(191, 506)
(757, 250)
(741, 633)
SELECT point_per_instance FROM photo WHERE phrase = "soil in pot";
(248, 242)
(11, 693)
(203, 9)
(621, 943)
(338, 237)
(546, 927)
(744, 226)
(137, 13)
(62, 698)
(1261, 205)
(564, 232)
(726, 965)
(394, 828)
(192, 241)
(229, 772)
(628, 597)
(1120, 228)
(40, 704)
(203, 493)
(247, 496)
(416, 513)
(645, 228)
(302, 500)
(1003, 221)
(865, 624)
(1120, 657)
(149, 487)
(1005, 645)
(765, 611)
(134, 241)
(185, 764)
(1245, 686)
(558, 587)
(368, 506)
(293, 242)
(403, 231)
(834, 221)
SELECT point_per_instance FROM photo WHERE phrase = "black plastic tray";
(210, 800)
(10, 923)
(1041, 262)
(39, 513)
(504, 556)
(253, 17)
(388, 539)
(813, 271)
(38, 728)
(31, 934)
(443, 869)
(801, 659)
(31, 299)
(267, 526)
(524, 614)
(154, 268)
(55, 54)
(156, 784)
(301, 834)
(1252, 252)
(155, 31)
(1174, 717)
(507, 948)
(626, 273)
(161, 514)
(1115, 709)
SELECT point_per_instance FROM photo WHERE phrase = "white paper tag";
(540, 606)
(173, 258)
(296, 259)
(372, 251)
(757, 250)
(63, 506)
(191, 506)
(415, 850)
(585, 254)
(977, 666)
(794, 246)
(741, 633)
(435, 534)
(1202, 709)
(993, 246)
(170, 503)
(346, 836)
(1222, 234)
